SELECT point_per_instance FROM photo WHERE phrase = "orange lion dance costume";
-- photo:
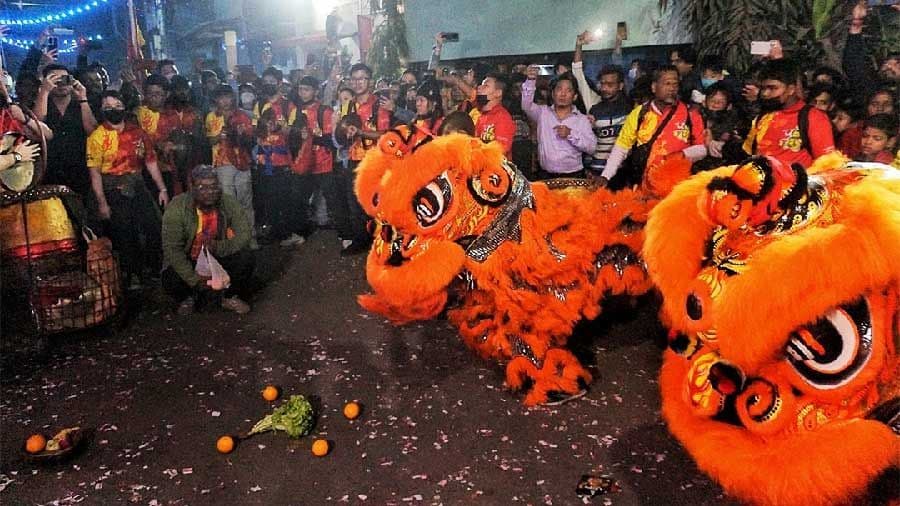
(521, 263)
(780, 287)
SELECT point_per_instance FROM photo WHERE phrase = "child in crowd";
(879, 139)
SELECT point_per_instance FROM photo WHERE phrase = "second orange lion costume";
(518, 263)
(781, 289)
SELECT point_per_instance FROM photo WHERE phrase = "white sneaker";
(236, 305)
(345, 243)
(301, 241)
(292, 240)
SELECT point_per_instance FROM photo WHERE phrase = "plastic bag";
(207, 266)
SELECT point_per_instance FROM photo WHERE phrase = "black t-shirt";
(66, 152)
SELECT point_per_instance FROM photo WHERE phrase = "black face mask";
(114, 116)
(481, 100)
(767, 105)
(269, 90)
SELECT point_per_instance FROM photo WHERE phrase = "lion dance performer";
(519, 263)
(780, 287)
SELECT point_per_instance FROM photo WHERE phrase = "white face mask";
(632, 73)
(247, 99)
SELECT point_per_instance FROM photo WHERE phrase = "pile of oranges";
(320, 447)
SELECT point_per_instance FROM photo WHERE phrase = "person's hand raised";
(532, 72)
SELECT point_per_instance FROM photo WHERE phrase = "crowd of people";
(170, 165)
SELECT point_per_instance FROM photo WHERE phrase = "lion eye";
(431, 202)
(833, 350)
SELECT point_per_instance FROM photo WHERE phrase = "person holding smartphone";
(62, 103)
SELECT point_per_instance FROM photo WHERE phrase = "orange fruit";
(320, 448)
(351, 410)
(35, 443)
(270, 393)
(225, 444)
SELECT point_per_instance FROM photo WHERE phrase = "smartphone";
(451, 36)
(622, 30)
(52, 43)
(761, 47)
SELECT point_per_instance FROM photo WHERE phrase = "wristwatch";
(17, 156)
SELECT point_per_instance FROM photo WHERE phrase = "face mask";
(632, 74)
(481, 100)
(247, 99)
(269, 89)
(114, 116)
(706, 82)
(767, 105)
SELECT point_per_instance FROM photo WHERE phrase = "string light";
(65, 45)
(86, 7)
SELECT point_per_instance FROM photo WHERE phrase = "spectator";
(787, 128)
(828, 75)
(856, 60)
(375, 118)
(62, 103)
(13, 119)
(822, 96)
(879, 138)
(880, 102)
(247, 98)
(563, 132)
(26, 87)
(409, 78)
(156, 93)
(167, 69)
(314, 165)
(607, 109)
(93, 82)
(203, 98)
(723, 143)
(180, 130)
(457, 122)
(684, 60)
(661, 128)
(846, 118)
(117, 153)
(523, 152)
(273, 160)
(206, 218)
(712, 71)
(230, 134)
(429, 113)
(494, 123)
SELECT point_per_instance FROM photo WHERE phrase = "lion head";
(780, 287)
(428, 199)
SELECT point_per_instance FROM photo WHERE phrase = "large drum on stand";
(53, 268)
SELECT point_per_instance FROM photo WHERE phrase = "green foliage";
(809, 30)
(389, 47)
(295, 417)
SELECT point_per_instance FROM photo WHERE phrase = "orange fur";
(521, 301)
(800, 437)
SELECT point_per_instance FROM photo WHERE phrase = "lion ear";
(491, 185)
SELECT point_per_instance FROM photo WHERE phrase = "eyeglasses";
(207, 187)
